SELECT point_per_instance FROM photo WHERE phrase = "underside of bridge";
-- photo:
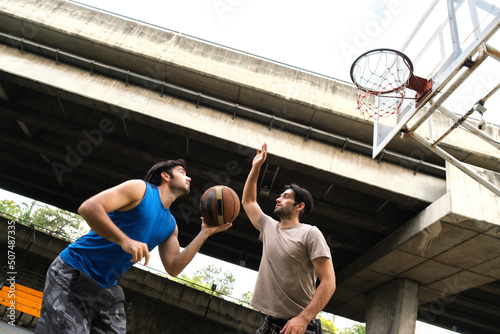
(60, 144)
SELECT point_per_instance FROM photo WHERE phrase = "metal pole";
(470, 127)
(443, 154)
(462, 119)
(214, 287)
(446, 94)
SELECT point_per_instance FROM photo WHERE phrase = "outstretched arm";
(122, 197)
(249, 197)
(174, 261)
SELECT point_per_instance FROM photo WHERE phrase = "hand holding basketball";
(218, 205)
(213, 229)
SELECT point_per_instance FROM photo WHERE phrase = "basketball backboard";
(449, 35)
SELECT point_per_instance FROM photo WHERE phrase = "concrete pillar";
(392, 308)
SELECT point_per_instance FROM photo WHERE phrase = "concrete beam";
(3, 95)
(75, 84)
(471, 200)
(451, 246)
(170, 57)
(104, 37)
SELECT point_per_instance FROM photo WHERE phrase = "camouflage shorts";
(74, 303)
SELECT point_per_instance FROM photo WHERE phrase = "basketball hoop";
(381, 77)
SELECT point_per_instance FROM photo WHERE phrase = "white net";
(374, 105)
(381, 77)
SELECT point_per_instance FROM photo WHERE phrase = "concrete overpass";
(89, 100)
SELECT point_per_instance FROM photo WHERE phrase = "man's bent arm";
(326, 288)
(174, 261)
(95, 212)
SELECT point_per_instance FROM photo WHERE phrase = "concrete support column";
(392, 308)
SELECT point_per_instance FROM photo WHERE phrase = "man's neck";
(166, 196)
(289, 222)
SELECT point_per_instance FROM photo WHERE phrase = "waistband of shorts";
(282, 322)
(278, 321)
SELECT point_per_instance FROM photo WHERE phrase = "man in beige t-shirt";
(294, 256)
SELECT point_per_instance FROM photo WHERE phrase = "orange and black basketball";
(219, 204)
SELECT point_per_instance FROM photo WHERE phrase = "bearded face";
(285, 204)
(180, 183)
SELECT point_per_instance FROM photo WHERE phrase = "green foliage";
(9, 209)
(12, 210)
(54, 220)
(203, 279)
(27, 211)
(214, 275)
(327, 325)
(246, 297)
(193, 281)
(354, 329)
(59, 221)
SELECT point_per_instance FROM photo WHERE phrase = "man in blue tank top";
(127, 222)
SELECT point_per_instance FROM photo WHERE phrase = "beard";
(282, 212)
(187, 190)
(181, 190)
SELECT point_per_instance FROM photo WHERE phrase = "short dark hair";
(153, 175)
(302, 195)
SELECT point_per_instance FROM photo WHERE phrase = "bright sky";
(322, 36)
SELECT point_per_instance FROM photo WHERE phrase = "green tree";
(27, 211)
(55, 220)
(10, 209)
(208, 275)
(354, 329)
(327, 325)
(246, 296)
(22, 212)
(59, 221)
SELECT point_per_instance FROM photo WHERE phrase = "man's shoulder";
(134, 184)
(308, 227)
(138, 182)
(268, 219)
(311, 231)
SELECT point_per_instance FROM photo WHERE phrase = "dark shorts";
(74, 303)
(274, 325)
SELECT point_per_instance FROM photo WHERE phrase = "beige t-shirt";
(286, 280)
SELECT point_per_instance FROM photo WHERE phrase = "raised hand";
(259, 159)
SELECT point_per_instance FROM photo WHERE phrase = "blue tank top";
(105, 261)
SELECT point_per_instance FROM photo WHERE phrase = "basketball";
(219, 204)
